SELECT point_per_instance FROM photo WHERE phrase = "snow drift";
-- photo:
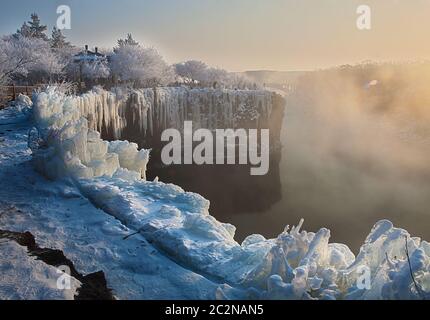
(295, 265)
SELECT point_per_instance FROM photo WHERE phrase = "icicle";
(169, 107)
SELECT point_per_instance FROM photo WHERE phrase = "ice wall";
(295, 265)
(168, 107)
(71, 125)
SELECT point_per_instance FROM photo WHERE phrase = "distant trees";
(128, 41)
(27, 57)
(15, 58)
(198, 71)
(58, 40)
(143, 66)
(33, 29)
(192, 70)
(31, 56)
(96, 70)
(64, 52)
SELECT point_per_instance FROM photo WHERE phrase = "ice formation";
(72, 148)
(295, 265)
(160, 108)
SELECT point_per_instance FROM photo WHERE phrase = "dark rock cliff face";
(142, 115)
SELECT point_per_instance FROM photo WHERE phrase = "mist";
(355, 150)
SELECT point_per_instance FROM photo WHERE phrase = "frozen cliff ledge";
(149, 111)
(295, 265)
(79, 120)
(140, 115)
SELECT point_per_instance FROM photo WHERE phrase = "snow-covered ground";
(60, 217)
(24, 277)
(98, 197)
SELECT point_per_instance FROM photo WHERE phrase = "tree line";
(30, 56)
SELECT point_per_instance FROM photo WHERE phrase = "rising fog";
(356, 150)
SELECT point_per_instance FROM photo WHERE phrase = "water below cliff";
(345, 174)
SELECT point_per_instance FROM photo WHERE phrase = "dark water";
(345, 173)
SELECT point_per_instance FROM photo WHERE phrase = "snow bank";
(295, 265)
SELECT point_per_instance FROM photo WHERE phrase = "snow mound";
(295, 265)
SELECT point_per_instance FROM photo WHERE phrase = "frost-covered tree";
(192, 69)
(211, 77)
(143, 66)
(33, 29)
(90, 71)
(66, 54)
(24, 31)
(58, 40)
(7, 67)
(218, 77)
(127, 41)
(96, 70)
(16, 57)
(32, 59)
(27, 57)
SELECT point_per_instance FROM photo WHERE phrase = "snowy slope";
(24, 277)
(180, 251)
(60, 217)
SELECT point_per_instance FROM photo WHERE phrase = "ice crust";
(295, 265)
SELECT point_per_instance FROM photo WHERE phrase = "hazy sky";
(244, 34)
